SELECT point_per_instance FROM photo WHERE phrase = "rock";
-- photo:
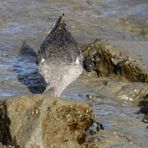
(143, 104)
(41, 121)
(109, 61)
(133, 92)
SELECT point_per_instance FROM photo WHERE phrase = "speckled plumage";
(59, 58)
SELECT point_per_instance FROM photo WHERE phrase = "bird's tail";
(59, 23)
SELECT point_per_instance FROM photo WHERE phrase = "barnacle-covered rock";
(43, 121)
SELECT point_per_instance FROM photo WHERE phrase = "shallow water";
(122, 21)
(120, 118)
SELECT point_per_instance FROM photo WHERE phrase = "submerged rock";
(143, 104)
(106, 60)
(42, 121)
(133, 92)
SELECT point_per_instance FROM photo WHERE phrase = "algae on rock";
(108, 61)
